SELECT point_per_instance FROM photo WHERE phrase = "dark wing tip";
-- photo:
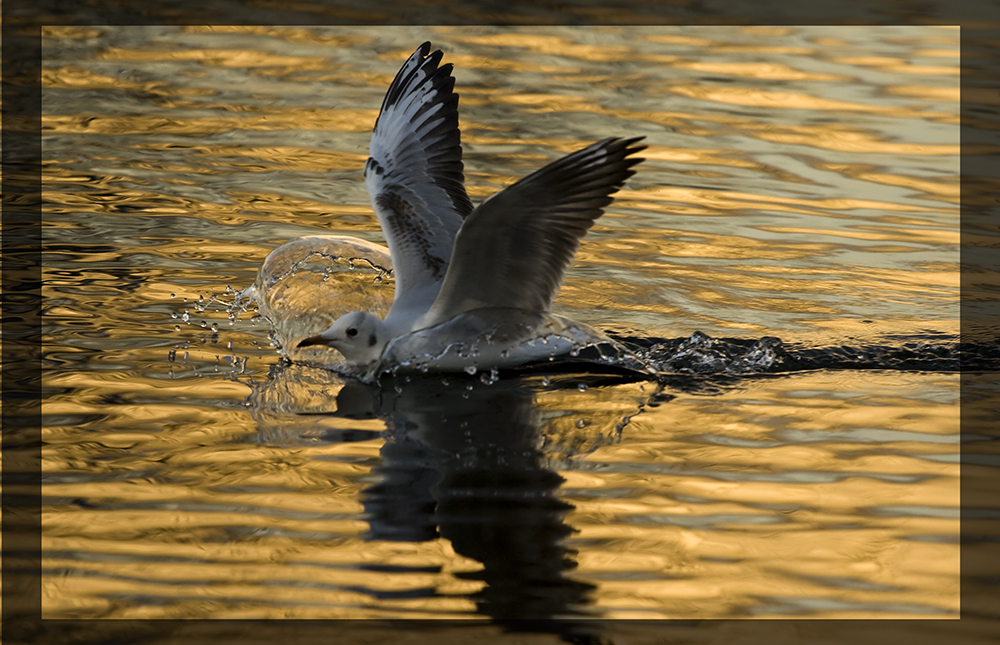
(627, 146)
(424, 83)
(420, 58)
(624, 150)
(633, 149)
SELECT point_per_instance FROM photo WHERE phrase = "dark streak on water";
(701, 354)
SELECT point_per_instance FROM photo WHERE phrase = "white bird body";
(483, 339)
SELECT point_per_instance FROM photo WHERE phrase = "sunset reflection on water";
(799, 183)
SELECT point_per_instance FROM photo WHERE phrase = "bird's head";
(359, 336)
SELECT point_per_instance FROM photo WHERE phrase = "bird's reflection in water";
(465, 464)
(463, 459)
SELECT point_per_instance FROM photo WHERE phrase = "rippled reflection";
(465, 463)
(469, 469)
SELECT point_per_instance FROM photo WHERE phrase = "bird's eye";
(352, 332)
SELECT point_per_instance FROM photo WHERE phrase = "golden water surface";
(799, 183)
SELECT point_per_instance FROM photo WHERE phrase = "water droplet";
(177, 327)
(172, 355)
(173, 295)
(581, 387)
(185, 317)
(470, 370)
(204, 324)
(173, 315)
(546, 381)
(580, 423)
(215, 326)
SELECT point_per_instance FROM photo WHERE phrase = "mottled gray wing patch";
(412, 234)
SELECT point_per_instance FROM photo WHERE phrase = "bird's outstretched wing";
(414, 177)
(513, 250)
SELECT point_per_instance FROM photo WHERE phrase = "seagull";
(466, 274)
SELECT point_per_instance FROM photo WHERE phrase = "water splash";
(307, 283)
(702, 354)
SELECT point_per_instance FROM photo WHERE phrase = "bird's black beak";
(312, 340)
